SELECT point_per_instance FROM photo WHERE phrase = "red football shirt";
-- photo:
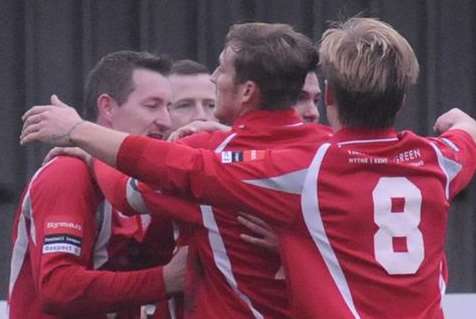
(232, 286)
(62, 233)
(361, 218)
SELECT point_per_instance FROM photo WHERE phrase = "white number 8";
(398, 224)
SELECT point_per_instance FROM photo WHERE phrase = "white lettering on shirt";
(55, 225)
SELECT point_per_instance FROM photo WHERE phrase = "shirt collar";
(352, 134)
(266, 118)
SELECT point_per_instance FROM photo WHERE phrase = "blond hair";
(367, 63)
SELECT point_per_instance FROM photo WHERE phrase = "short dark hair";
(188, 67)
(113, 75)
(275, 57)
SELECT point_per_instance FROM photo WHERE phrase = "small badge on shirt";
(62, 243)
(241, 156)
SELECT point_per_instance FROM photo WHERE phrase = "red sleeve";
(457, 157)
(201, 174)
(132, 197)
(113, 185)
(63, 200)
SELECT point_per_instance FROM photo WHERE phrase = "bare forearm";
(102, 143)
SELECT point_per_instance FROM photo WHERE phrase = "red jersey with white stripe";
(239, 280)
(361, 232)
(63, 231)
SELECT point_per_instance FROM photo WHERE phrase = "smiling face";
(145, 112)
(193, 99)
(308, 99)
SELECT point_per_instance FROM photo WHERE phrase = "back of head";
(112, 75)
(369, 67)
(275, 57)
(188, 67)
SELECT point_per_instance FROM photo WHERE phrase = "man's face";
(309, 99)
(228, 104)
(193, 99)
(146, 110)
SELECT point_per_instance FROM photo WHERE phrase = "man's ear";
(251, 94)
(328, 94)
(105, 107)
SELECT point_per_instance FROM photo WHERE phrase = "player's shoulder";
(452, 139)
(324, 129)
(408, 136)
(458, 138)
(65, 167)
(61, 173)
(319, 130)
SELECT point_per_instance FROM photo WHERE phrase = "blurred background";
(48, 46)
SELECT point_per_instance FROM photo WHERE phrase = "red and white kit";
(361, 217)
(63, 231)
(238, 280)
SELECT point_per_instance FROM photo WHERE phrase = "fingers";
(447, 120)
(255, 220)
(443, 122)
(199, 126)
(38, 109)
(51, 154)
(35, 110)
(195, 127)
(181, 132)
(222, 127)
(33, 119)
(254, 227)
(172, 137)
(70, 151)
(265, 236)
(55, 100)
(30, 137)
(256, 241)
(28, 130)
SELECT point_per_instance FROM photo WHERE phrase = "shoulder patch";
(241, 156)
(62, 243)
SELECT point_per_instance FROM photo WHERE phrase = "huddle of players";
(360, 214)
(116, 96)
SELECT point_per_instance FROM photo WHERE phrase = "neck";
(333, 118)
(336, 126)
(241, 112)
